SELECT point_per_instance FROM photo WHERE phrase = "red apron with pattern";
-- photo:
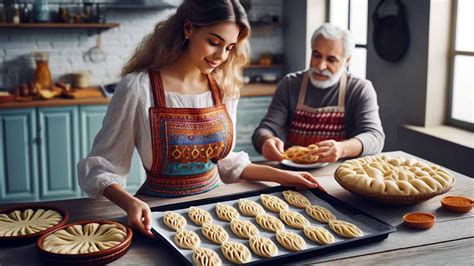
(311, 125)
(186, 143)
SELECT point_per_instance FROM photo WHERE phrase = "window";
(352, 15)
(461, 104)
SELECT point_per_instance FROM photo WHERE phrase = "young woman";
(177, 104)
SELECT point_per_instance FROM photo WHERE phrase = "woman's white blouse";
(126, 125)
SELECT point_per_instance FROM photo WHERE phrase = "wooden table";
(450, 241)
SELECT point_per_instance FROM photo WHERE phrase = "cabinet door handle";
(37, 141)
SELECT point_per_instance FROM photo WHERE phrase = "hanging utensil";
(96, 54)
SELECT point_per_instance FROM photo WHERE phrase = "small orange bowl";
(457, 203)
(419, 220)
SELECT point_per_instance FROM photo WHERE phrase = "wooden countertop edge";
(249, 90)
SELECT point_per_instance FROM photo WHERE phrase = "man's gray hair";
(332, 32)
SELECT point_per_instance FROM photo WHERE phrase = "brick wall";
(68, 47)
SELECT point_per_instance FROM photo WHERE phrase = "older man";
(334, 110)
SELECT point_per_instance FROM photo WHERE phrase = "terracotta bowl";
(93, 258)
(457, 203)
(419, 220)
(32, 237)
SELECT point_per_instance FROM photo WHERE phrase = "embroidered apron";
(311, 125)
(186, 144)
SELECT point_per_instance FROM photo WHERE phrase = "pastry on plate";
(301, 155)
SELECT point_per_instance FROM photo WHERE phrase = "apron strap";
(159, 93)
(342, 90)
(215, 90)
(303, 88)
(157, 88)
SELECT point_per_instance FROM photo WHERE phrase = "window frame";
(452, 55)
(328, 18)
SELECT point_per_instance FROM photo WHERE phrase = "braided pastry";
(301, 155)
(385, 175)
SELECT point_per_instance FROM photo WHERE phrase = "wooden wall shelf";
(59, 25)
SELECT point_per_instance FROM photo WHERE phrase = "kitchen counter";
(249, 90)
(55, 103)
(450, 241)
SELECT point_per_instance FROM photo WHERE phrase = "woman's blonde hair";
(167, 43)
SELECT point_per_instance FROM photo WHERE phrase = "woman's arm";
(254, 172)
(138, 212)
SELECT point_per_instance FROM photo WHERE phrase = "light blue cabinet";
(18, 157)
(250, 112)
(40, 148)
(91, 122)
(58, 152)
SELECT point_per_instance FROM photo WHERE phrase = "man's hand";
(329, 151)
(272, 149)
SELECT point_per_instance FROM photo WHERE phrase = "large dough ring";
(388, 176)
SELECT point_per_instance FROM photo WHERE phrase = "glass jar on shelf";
(41, 11)
(43, 78)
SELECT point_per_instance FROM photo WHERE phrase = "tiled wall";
(68, 47)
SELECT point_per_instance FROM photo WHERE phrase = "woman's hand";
(272, 149)
(139, 217)
(299, 180)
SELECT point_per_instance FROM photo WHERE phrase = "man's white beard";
(332, 78)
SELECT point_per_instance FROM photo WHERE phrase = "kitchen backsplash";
(68, 48)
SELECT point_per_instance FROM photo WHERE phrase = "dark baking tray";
(381, 228)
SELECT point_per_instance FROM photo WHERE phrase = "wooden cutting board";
(83, 93)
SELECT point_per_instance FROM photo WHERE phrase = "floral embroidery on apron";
(312, 125)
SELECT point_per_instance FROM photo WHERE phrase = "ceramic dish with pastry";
(85, 242)
(302, 157)
(22, 223)
(393, 180)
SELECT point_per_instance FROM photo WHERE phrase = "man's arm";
(274, 124)
(368, 127)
